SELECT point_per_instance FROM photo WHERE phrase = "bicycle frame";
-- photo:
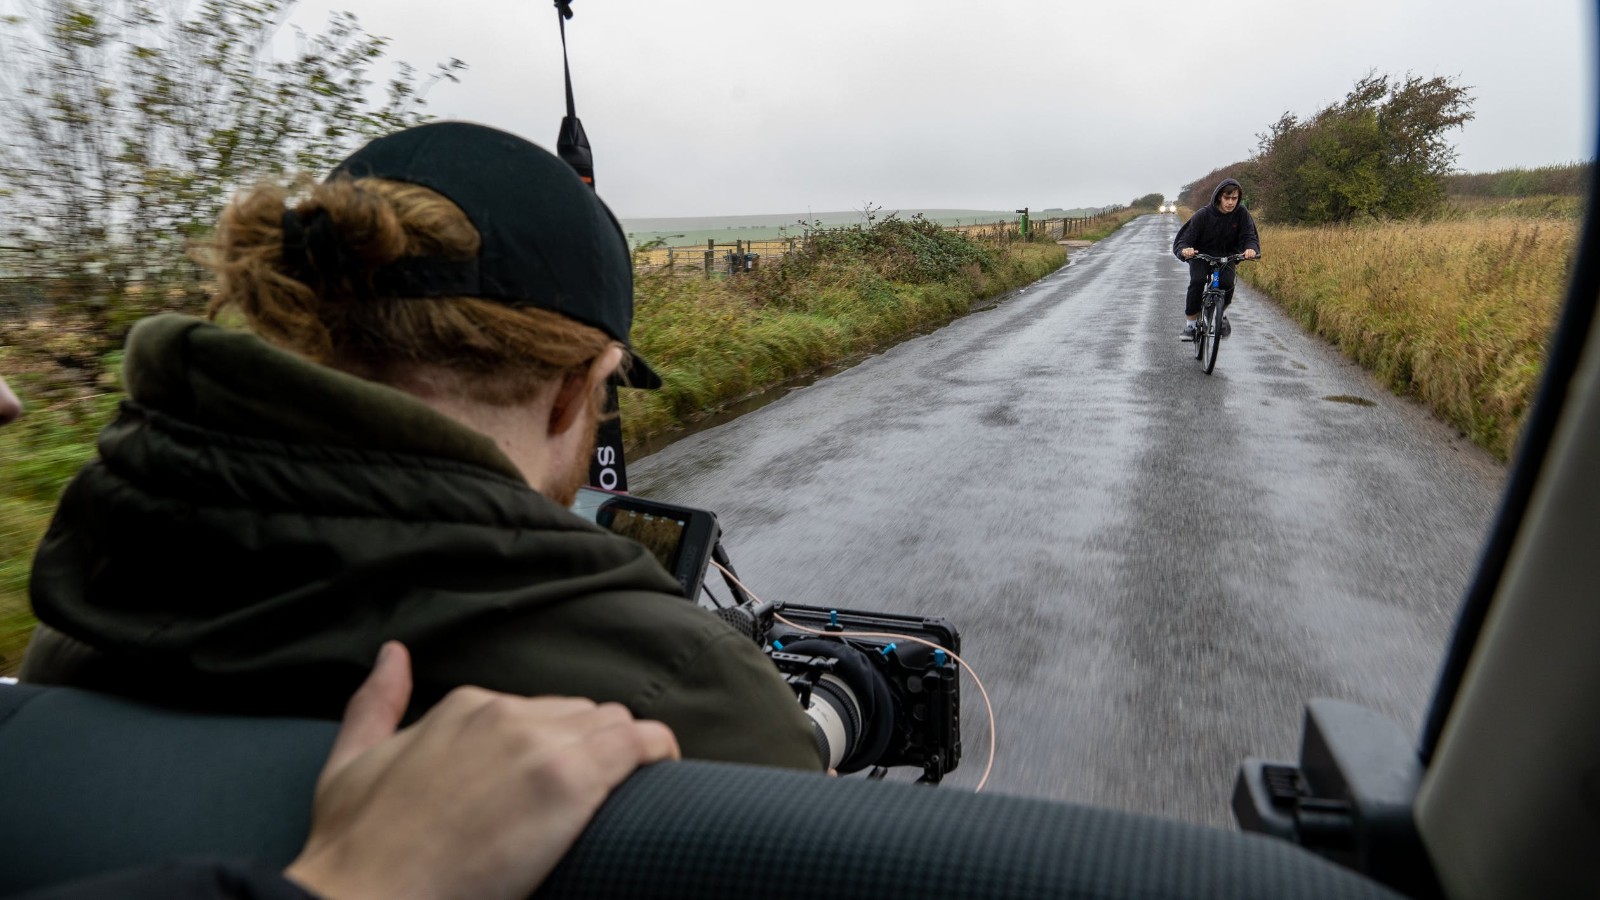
(1208, 328)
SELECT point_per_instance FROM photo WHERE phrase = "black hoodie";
(1217, 233)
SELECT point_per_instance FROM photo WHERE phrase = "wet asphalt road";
(1151, 568)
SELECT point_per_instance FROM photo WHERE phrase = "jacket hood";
(1216, 194)
(234, 382)
(248, 505)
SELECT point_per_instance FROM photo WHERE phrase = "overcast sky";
(723, 108)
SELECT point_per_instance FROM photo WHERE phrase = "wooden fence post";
(711, 248)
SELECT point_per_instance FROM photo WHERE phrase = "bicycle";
(1208, 328)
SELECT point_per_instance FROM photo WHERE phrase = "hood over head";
(1225, 183)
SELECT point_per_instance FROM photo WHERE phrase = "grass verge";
(1109, 223)
(1456, 312)
(38, 454)
(719, 340)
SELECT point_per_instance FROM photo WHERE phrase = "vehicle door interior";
(92, 784)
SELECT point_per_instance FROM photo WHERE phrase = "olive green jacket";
(256, 526)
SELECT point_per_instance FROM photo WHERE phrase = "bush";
(911, 251)
(1378, 154)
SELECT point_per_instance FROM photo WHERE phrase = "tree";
(129, 122)
(1381, 152)
(1148, 201)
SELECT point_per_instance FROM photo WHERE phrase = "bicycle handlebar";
(1221, 260)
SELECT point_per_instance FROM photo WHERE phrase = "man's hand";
(1249, 254)
(479, 798)
(1187, 253)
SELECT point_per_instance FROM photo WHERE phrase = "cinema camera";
(882, 690)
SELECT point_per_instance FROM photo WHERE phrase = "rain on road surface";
(1151, 568)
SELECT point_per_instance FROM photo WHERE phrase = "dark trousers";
(1199, 275)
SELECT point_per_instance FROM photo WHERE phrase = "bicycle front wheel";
(1200, 336)
(1215, 343)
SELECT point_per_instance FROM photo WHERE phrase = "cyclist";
(1221, 229)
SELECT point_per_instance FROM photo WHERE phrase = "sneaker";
(1188, 332)
(1226, 328)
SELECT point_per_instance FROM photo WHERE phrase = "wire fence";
(732, 257)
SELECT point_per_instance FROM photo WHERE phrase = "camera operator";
(481, 797)
(390, 455)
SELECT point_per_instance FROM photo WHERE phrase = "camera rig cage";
(908, 663)
(882, 689)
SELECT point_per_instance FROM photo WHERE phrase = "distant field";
(692, 231)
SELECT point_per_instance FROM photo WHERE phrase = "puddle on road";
(1353, 401)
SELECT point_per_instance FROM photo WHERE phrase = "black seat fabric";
(89, 784)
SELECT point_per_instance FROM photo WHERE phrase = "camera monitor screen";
(680, 538)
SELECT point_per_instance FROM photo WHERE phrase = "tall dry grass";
(1457, 313)
(1570, 180)
(1538, 206)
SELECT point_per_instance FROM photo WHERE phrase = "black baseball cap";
(547, 240)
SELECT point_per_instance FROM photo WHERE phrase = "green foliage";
(1148, 201)
(1379, 153)
(47, 446)
(128, 122)
(912, 251)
